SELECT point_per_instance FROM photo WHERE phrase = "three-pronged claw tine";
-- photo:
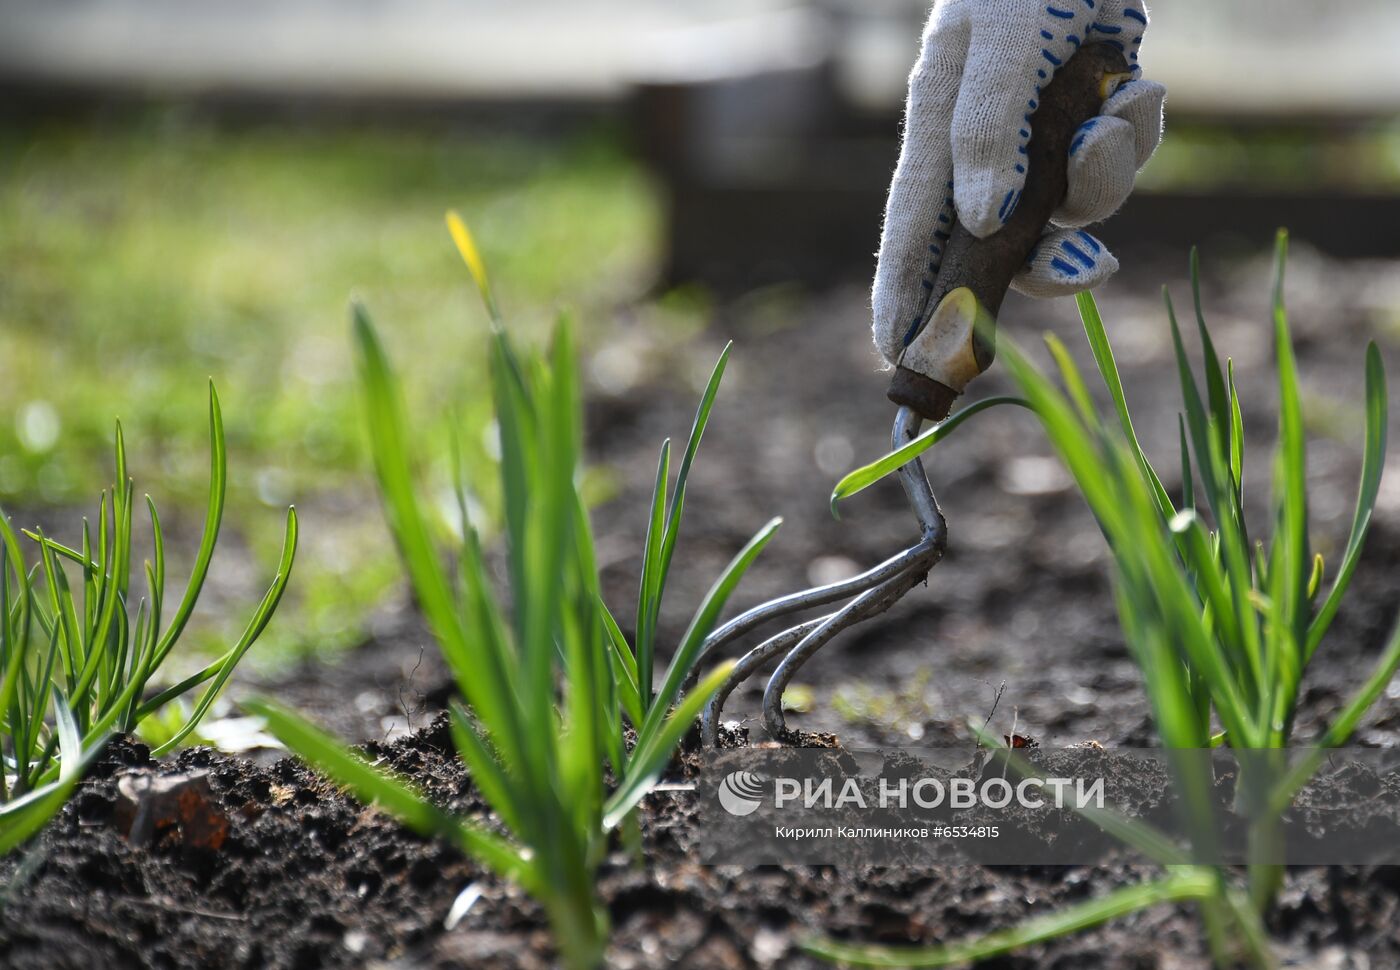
(874, 591)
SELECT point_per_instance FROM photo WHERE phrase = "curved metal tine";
(751, 661)
(794, 602)
(926, 554)
(868, 604)
(914, 479)
(879, 588)
(819, 596)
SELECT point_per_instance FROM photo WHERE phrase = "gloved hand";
(971, 110)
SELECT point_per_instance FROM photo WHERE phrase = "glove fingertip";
(987, 206)
(1102, 168)
(1140, 103)
(1066, 261)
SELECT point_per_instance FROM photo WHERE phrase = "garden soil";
(297, 875)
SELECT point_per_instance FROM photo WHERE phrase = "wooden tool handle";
(986, 266)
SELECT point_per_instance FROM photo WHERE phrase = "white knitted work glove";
(972, 100)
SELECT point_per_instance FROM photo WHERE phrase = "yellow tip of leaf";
(466, 246)
(1315, 580)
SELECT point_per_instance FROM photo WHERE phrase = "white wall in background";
(1253, 55)
(583, 49)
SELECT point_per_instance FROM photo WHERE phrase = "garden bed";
(307, 877)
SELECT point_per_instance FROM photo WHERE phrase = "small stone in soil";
(148, 805)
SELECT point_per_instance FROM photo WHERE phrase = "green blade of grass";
(1372, 467)
(604, 652)
(701, 625)
(98, 654)
(1107, 366)
(1315, 577)
(35, 767)
(1073, 382)
(490, 776)
(113, 582)
(545, 559)
(649, 596)
(626, 666)
(1220, 493)
(90, 580)
(121, 515)
(610, 727)
(14, 631)
(1210, 581)
(1236, 435)
(65, 613)
(1188, 487)
(11, 655)
(1216, 396)
(10, 541)
(23, 817)
(677, 503)
(157, 553)
(129, 659)
(477, 660)
(1290, 558)
(867, 475)
(517, 423)
(84, 560)
(582, 750)
(1182, 606)
(1197, 419)
(1247, 920)
(654, 749)
(261, 617)
(692, 447)
(218, 480)
(1292, 478)
(69, 741)
(159, 700)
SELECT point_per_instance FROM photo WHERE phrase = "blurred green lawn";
(142, 257)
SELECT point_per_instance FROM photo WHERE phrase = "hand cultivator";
(950, 344)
